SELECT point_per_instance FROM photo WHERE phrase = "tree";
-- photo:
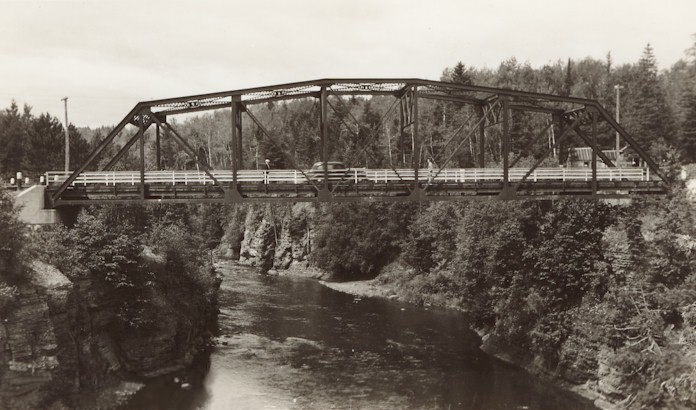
(686, 138)
(552, 79)
(649, 119)
(431, 240)
(45, 144)
(12, 248)
(461, 74)
(365, 150)
(568, 252)
(13, 140)
(354, 241)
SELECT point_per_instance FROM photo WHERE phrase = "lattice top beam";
(467, 94)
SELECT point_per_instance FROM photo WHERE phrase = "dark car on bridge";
(337, 172)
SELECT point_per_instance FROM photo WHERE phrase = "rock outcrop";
(38, 357)
(275, 237)
(62, 339)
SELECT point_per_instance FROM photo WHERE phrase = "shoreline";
(363, 288)
(377, 288)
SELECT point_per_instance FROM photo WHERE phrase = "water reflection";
(294, 344)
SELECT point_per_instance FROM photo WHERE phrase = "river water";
(289, 343)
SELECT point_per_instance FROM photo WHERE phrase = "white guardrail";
(349, 176)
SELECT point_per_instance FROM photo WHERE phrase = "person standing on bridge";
(431, 166)
(265, 172)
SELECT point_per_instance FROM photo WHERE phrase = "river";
(290, 343)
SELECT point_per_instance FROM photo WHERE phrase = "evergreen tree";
(461, 74)
(45, 145)
(682, 79)
(687, 126)
(650, 124)
(79, 149)
(12, 139)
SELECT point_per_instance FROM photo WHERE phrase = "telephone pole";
(67, 137)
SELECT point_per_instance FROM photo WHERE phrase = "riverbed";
(291, 343)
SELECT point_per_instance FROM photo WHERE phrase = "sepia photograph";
(349, 205)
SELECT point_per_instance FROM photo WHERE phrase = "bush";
(430, 243)
(13, 252)
(355, 240)
(8, 295)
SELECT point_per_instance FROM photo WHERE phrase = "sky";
(106, 56)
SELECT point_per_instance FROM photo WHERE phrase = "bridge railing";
(449, 175)
(461, 175)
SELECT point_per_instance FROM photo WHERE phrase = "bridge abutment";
(31, 204)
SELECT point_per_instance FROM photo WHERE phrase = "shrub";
(355, 240)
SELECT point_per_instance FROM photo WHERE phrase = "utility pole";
(67, 137)
(618, 107)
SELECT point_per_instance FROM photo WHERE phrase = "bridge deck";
(347, 185)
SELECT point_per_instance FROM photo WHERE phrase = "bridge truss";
(493, 111)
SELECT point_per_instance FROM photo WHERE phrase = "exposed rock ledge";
(60, 347)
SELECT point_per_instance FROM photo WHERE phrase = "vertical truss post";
(323, 138)
(169, 131)
(481, 137)
(557, 122)
(405, 121)
(401, 132)
(141, 133)
(416, 137)
(561, 138)
(158, 147)
(240, 108)
(236, 120)
(593, 114)
(506, 145)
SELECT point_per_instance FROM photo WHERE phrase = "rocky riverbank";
(597, 298)
(61, 345)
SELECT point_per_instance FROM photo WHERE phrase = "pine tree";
(686, 141)
(12, 141)
(651, 122)
(45, 143)
(461, 74)
(687, 126)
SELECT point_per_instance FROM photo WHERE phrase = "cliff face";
(59, 338)
(279, 240)
(259, 242)
(39, 356)
(274, 237)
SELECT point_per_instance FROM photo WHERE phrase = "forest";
(656, 107)
(592, 292)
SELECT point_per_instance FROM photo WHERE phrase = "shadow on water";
(294, 344)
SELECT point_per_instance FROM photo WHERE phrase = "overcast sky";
(108, 55)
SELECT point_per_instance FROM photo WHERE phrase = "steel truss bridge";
(491, 108)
